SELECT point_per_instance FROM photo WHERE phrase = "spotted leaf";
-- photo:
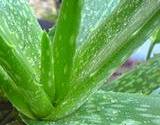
(142, 79)
(108, 108)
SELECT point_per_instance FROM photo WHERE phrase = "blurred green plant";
(50, 76)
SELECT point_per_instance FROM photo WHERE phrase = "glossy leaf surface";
(23, 79)
(93, 14)
(110, 45)
(79, 70)
(64, 43)
(47, 70)
(19, 27)
(17, 100)
(142, 79)
(19, 50)
(107, 108)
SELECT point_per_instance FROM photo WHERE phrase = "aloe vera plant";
(49, 76)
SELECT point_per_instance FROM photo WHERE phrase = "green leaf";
(103, 38)
(17, 100)
(142, 79)
(23, 77)
(108, 108)
(64, 45)
(19, 27)
(110, 45)
(47, 71)
(19, 52)
(93, 13)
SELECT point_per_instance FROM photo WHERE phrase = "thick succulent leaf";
(20, 54)
(47, 74)
(19, 26)
(93, 14)
(110, 45)
(108, 108)
(125, 21)
(23, 77)
(64, 44)
(142, 79)
(17, 100)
